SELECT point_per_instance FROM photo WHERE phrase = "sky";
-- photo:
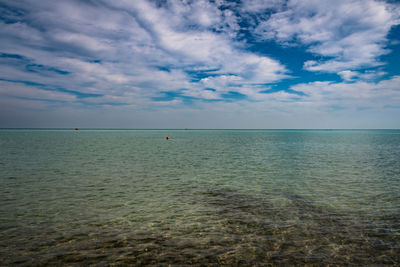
(255, 64)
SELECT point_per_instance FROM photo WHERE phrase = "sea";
(203, 197)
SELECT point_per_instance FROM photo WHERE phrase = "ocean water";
(204, 197)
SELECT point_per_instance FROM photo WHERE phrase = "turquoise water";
(235, 197)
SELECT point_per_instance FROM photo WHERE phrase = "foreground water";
(204, 197)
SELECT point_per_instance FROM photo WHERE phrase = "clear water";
(230, 197)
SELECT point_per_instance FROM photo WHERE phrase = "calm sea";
(204, 197)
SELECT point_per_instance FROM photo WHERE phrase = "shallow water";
(248, 197)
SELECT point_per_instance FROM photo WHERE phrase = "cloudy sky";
(200, 64)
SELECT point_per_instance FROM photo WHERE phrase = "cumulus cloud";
(22, 91)
(348, 75)
(261, 6)
(134, 45)
(351, 95)
(161, 54)
(350, 34)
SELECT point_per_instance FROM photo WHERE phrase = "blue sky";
(200, 64)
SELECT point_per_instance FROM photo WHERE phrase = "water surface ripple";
(205, 197)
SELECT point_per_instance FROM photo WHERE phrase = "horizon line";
(111, 128)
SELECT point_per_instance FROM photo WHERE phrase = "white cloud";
(260, 6)
(131, 52)
(353, 33)
(352, 95)
(82, 40)
(116, 47)
(348, 75)
(94, 71)
(10, 89)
